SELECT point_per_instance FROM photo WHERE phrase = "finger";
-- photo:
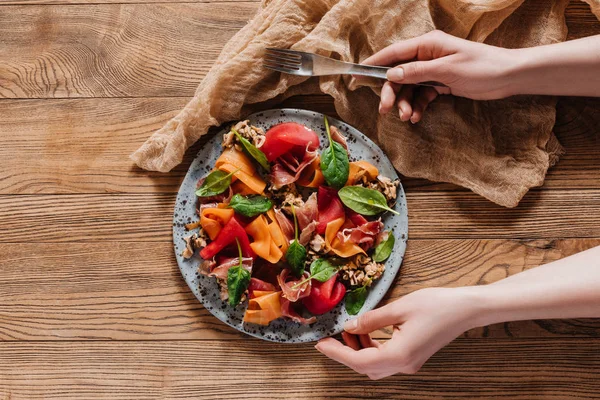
(428, 46)
(361, 361)
(395, 53)
(425, 96)
(388, 97)
(405, 99)
(375, 319)
(337, 351)
(351, 341)
(366, 341)
(419, 71)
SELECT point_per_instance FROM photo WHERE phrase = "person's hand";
(424, 321)
(469, 69)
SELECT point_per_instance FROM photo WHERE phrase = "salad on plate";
(289, 231)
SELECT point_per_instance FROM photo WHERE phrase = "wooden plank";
(249, 369)
(82, 145)
(75, 2)
(134, 291)
(139, 50)
(113, 50)
(448, 215)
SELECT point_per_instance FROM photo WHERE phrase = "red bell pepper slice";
(226, 237)
(259, 285)
(324, 296)
(330, 207)
(288, 137)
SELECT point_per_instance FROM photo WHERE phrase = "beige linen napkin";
(499, 149)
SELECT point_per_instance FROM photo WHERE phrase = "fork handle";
(380, 72)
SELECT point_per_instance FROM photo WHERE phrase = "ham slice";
(308, 213)
(363, 235)
(220, 271)
(288, 167)
(337, 136)
(307, 233)
(288, 311)
(285, 224)
(287, 282)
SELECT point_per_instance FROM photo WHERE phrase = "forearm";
(569, 69)
(567, 288)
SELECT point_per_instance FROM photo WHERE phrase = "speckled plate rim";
(206, 289)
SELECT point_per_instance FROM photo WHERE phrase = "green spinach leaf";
(355, 299)
(215, 183)
(238, 280)
(334, 162)
(364, 201)
(322, 270)
(296, 253)
(384, 249)
(250, 206)
(253, 151)
(296, 257)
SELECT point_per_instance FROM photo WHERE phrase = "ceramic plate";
(206, 289)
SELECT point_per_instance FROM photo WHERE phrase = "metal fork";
(308, 64)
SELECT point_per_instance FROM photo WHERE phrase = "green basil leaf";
(296, 257)
(215, 183)
(334, 162)
(384, 249)
(238, 280)
(250, 206)
(355, 299)
(253, 151)
(322, 270)
(364, 201)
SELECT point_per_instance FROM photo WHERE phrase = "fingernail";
(395, 74)
(351, 325)
(401, 115)
(379, 108)
(414, 119)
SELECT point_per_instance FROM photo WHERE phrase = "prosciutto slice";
(220, 271)
(337, 136)
(285, 224)
(287, 282)
(288, 167)
(363, 235)
(288, 311)
(307, 233)
(308, 213)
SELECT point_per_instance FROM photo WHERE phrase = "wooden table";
(92, 304)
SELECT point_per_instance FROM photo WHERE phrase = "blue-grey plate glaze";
(206, 289)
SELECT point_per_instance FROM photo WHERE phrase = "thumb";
(375, 319)
(416, 71)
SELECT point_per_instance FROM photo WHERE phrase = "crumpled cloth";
(499, 149)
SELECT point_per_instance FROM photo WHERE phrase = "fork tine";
(283, 62)
(285, 53)
(287, 59)
(280, 69)
(283, 58)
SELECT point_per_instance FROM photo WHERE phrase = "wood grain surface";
(249, 369)
(92, 304)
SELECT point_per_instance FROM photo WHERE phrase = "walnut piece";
(317, 243)
(193, 242)
(362, 270)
